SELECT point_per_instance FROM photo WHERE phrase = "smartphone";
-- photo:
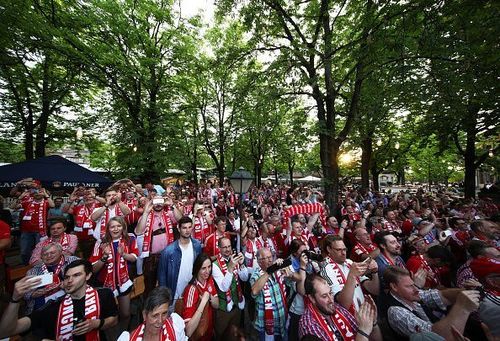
(46, 279)
(158, 201)
(368, 260)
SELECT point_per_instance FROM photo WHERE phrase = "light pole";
(241, 181)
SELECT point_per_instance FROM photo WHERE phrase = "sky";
(193, 7)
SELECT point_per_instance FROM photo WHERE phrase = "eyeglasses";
(340, 250)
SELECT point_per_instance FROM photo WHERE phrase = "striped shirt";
(279, 314)
(308, 325)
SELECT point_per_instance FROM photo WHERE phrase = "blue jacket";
(170, 263)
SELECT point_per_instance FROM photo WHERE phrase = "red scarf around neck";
(167, 332)
(340, 323)
(223, 267)
(116, 263)
(268, 303)
(64, 327)
(148, 232)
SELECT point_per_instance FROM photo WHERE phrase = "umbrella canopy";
(53, 172)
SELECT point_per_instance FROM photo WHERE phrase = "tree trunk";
(329, 150)
(291, 166)
(375, 174)
(366, 156)
(28, 143)
(470, 151)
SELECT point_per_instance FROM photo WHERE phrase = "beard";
(326, 311)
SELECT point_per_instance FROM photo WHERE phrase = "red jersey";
(34, 216)
(192, 298)
(212, 243)
(360, 250)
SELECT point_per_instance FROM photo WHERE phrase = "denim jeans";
(27, 244)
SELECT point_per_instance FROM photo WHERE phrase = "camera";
(313, 256)
(275, 267)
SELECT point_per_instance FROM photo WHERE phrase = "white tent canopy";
(308, 178)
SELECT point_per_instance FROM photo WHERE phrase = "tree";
(325, 48)
(38, 81)
(458, 90)
(137, 52)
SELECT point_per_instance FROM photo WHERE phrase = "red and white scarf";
(82, 218)
(42, 215)
(341, 279)
(64, 327)
(341, 323)
(305, 209)
(52, 290)
(167, 332)
(116, 263)
(223, 267)
(104, 220)
(200, 229)
(148, 232)
(268, 302)
(250, 252)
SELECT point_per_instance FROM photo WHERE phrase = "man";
(268, 290)
(296, 230)
(133, 202)
(264, 239)
(52, 261)
(212, 241)
(364, 246)
(35, 204)
(82, 314)
(227, 271)
(332, 226)
(176, 261)
(390, 253)
(392, 224)
(407, 226)
(57, 211)
(58, 234)
(150, 187)
(158, 324)
(81, 205)
(202, 222)
(275, 231)
(113, 207)
(346, 278)
(487, 231)
(324, 319)
(435, 257)
(406, 316)
(155, 231)
(476, 249)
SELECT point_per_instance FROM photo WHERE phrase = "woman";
(111, 259)
(200, 290)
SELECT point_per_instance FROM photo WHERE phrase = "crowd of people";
(274, 264)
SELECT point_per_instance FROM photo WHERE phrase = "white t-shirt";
(185, 272)
(330, 273)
